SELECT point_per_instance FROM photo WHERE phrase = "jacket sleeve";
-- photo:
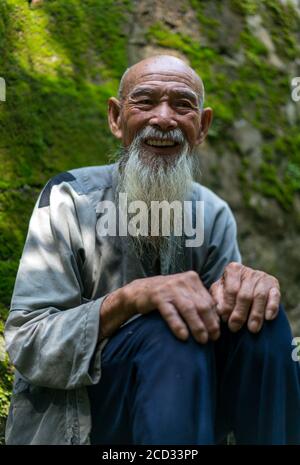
(52, 329)
(222, 246)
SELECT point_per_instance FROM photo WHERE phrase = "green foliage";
(283, 23)
(253, 45)
(245, 7)
(61, 62)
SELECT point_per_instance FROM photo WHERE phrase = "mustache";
(149, 132)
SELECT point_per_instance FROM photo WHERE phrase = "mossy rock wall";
(62, 60)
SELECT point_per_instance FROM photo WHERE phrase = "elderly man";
(138, 338)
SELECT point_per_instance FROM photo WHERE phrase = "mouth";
(161, 143)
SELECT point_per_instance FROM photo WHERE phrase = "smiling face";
(162, 95)
(160, 121)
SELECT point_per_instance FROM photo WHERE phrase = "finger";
(232, 284)
(272, 307)
(243, 304)
(195, 323)
(170, 314)
(206, 307)
(207, 310)
(188, 312)
(217, 292)
(204, 300)
(257, 312)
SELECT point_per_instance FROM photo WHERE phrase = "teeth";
(161, 143)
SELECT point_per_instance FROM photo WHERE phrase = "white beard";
(148, 177)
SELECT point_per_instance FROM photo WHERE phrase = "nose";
(163, 117)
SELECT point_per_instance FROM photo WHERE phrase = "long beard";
(147, 177)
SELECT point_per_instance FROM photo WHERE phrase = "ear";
(206, 119)
(114, 117)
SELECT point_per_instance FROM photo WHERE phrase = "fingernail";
(203, 338)
(269, 315)
(183, 334)
(234, 326)
(215, 335)
(254, 326)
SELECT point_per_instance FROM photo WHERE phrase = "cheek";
(133, 123)
(192, 127)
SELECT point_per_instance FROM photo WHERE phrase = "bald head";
(164, 66)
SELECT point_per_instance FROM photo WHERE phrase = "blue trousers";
(156, 389)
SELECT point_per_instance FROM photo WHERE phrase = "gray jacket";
(66, 270)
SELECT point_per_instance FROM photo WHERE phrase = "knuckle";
(227, 307)
(234, 266)
(273, 307)
(187, 307)
(240, 314)
(156, 296)
(260, 295)
(191, 274)
(230, 296)
(238, 318)
(199, 327)
(260, 274)
(126, 291)
(171, 316)
(225, 311)
(213, 326)
(199, 331)
(244, 296)
(205, 308)
(257, 314)
(178, 279)
(276, 292)
(176, 325)
(214, 287)
(208, 301)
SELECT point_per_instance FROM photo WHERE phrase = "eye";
(145, 101)
(184, 104)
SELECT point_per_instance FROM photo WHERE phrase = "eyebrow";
(178, 92)
(187, 94)
(141, 91)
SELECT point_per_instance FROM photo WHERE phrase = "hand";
(182, 301)
(243, 294)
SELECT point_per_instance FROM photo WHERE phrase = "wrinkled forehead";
(169, 72)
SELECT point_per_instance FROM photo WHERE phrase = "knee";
(163, 344)
(273, 342)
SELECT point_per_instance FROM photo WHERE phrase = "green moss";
(245, 7)
(202, 59)
(254, 90)
(253, 45)
(178, 41)
(283, 23)
(208, 25)
(270, 185)
(61, 62)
